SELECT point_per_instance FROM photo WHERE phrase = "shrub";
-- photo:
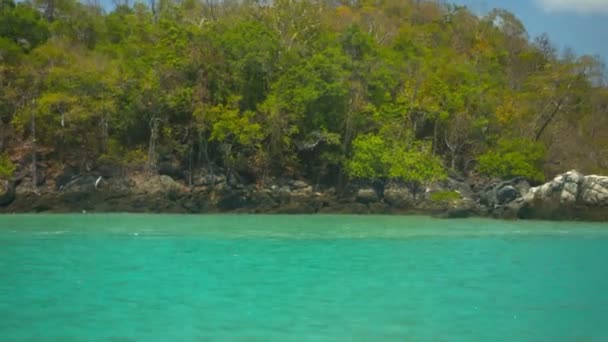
(7, 168)
(512, 158)
(445, 196)
(377, 158)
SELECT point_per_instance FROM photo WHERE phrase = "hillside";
(327, 91)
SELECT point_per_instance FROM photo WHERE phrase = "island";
(296, 107)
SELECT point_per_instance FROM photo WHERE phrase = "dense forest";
(326, 90)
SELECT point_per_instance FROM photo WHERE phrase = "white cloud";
(580, 6)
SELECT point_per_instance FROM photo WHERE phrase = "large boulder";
(562, 191)
(499, 194)
(568, 196)
(594, 191)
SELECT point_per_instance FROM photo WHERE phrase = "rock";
(462, 209)
(500, 193)
(284, 192)
(506, 194)
(7, 193)
(568, 196)
(562, 190)
(367, 195)
(594, 191)
(65, 177)
(235, 181)
(80, 184)
(167, 183)
(204, 179)
(305, 191)
(298, 184)
(521, 185)
(398, 196)
(231, 200)
(262, 200)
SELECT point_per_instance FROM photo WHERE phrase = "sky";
(579, 24)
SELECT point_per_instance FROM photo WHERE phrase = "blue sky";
(579, 24)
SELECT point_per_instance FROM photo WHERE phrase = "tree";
(513, 158)
(376, 158)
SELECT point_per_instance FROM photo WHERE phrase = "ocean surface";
(300, 278)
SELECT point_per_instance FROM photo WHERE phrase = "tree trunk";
(558, 107)
(34, 159)
(104, 133)
(453, 159)
(190, 152)
(1, 136)
(152, 144)
(434, 135)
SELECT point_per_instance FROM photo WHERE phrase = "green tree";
(512, 158)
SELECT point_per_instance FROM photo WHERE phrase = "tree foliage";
(313, 88)
(376, 158)
(512, 158)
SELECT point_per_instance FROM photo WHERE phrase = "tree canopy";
(329, 90)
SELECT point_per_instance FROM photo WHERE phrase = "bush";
(118, 155)
(377, 158)
(445, 196)
(513, 158)
(7, 168)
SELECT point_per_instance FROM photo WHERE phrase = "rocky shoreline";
(569, 196)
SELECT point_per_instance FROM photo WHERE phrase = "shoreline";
(569, 197)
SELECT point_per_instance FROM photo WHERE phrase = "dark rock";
(65, 177)
(521, 185)
(235, 181)
(263, 200)
(81, 184)
(459, 212)
(108, 170)
(231, 200)
(506, 194)
(7, 192)
(499, 193)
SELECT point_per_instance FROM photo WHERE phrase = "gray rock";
(208, 179)
(367, 195)
(302, 194)
(594, 191)
(521, 185)
(167, 183)
(298, 184)
(398, 196)
(567, 196)
(284, 191)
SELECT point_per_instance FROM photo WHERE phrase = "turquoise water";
(300, 278)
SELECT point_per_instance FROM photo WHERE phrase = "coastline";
(570, 196)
